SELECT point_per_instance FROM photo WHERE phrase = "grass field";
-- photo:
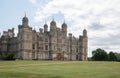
(59, 69)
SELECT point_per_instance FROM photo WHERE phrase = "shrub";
(9, 56)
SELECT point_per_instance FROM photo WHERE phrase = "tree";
(118, 56)
(112, 56)
(99, 55)
(8, 56)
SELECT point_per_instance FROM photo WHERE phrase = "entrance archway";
(59, 56)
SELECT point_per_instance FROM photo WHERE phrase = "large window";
(33, 46)
(40, 39)
(46, 47)
(46, 39)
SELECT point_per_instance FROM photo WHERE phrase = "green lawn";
(59, 69)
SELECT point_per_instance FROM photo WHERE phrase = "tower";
(64, 29)
(24, 40)
(53, 26)
(25, 21)
(85, 44)
(70, 46)
(84, 33)
(53, 38)
(45, 27)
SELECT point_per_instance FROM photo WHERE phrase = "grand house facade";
(54, 44)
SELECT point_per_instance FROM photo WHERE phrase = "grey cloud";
(107, 41)
(96, 26)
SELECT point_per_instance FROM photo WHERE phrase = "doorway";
(59, 56)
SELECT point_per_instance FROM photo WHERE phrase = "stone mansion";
(53, 44)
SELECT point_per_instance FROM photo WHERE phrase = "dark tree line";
(8, 56)
(102, 55)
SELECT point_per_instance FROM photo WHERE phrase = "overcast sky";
(101, 18)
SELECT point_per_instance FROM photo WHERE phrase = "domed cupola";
(64, 25)
(64, 29)
(84, 32)
(53, 23)
(25, 21)
(45, 27)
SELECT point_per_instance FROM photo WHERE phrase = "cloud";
(100, 17)
(33, 1)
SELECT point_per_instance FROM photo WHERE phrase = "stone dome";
(25, 19)
(53, 22)
(64, 25)
(45, 25)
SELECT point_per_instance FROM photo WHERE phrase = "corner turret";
(84, 33)
(25, 21)
(52, 25)
(45, 27)
(64, 29)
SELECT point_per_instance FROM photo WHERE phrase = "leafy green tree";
(112, 56)
(118, 56)
(99, 55)
(8, 56)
